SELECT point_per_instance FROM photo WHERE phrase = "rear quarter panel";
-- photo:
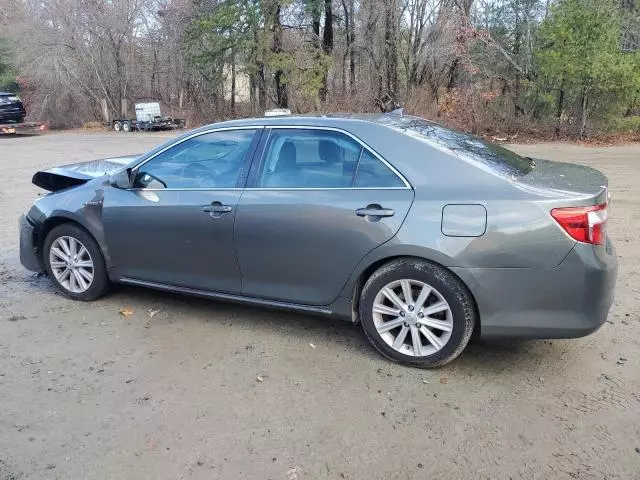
(520, 231)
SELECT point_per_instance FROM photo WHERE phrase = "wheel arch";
(56, 220)
(372, 266)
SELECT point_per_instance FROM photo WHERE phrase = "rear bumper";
(568, 301)
(28, 248)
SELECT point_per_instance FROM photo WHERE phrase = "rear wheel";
(417, 313)
(117, 126)
(126, 126)
(74, 262)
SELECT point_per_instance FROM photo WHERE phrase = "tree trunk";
(233, 83)
(252, 92)
(452, 74)
(352, 39)
(391, 56)
(105, 110)
(316, 13)
(559, 109)
(257, 78)
(262, 88)
(124, 108)
(327, 44)
(585, 113)
(282, 100)
(347, 20)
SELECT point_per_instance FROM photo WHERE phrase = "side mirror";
(122, 179)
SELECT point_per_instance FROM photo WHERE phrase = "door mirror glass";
(121, 179)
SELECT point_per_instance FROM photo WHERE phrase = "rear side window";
(300, 158)
(315, 158)
(372, 173)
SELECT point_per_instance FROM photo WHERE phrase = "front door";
(316, 205)
(175, 225)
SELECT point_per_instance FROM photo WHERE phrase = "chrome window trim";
(353, 137)
(324, 188)
(275, 127)
(190, 189)
(195, 134)
(200, 189)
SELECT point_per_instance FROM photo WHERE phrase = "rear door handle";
(375, 211)
(216, 209)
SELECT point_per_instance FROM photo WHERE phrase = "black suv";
(11, 108)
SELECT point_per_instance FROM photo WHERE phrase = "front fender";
(81, 205)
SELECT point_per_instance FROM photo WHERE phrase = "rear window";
(497, 158)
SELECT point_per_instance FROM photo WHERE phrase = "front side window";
(297, 158)
(211, 160)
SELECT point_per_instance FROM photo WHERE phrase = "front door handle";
(216, 209)
(375, 211)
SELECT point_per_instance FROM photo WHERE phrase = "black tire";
(451, 288)
(117, 126)
(126, 127)
(100, 284)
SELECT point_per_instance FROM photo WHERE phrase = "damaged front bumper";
(28, 246)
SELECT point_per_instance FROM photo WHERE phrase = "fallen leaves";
(153, 313)
(444, 380)
(126, 311)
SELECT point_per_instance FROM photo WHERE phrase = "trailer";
(148, 117)
(22, 128)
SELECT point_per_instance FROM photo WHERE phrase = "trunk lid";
(59, 178)
(568, 181)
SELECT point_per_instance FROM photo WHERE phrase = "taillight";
(585, 224)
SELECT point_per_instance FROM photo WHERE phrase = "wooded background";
(552, 67)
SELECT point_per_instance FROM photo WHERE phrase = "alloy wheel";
(412, 317)
(71, 264)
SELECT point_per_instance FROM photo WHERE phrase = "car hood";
(59, 178)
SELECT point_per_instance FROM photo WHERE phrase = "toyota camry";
(423, 235)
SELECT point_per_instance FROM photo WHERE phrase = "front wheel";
(74, 262)
(417, 313)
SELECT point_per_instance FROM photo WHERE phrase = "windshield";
(497, 158)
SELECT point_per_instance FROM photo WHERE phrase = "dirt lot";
(86, 393)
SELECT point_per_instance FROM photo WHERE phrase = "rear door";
(175, 225)
(315, 205)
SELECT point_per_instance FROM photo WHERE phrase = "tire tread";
(454, 286)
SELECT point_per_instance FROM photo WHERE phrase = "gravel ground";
(208, 390)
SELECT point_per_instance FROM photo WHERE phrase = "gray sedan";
(422, 234)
